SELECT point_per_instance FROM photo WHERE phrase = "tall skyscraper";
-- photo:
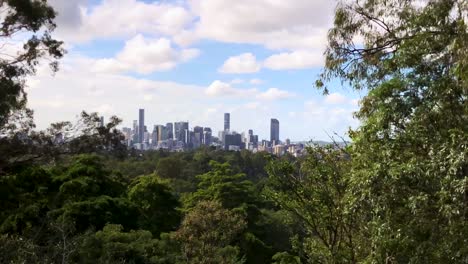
(198, 136)
(135, 131)
(170, 131)
(141, 125)
(227, 121)
(180, 131)
(161, 133)
(274, 131)
(101, 121)
(207, 136)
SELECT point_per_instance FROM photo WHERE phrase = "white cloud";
(275, 94)
(256, 81)
(118, 19)
(222, 89)
(148, 97)
(243, 63)
(273, 24)
(237, 81)
(336, 98)
(144, 55)
(294, 60)
(103, 109)
(252, 105)
(109, 65)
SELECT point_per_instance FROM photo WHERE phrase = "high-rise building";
(227, 121)
(101, 121)
(274, 131)
(207, 136)
(170, 131)
(161, 133)
(198, 136)
(141, 125)
(135, 131)
(180, 129)
(233, 139)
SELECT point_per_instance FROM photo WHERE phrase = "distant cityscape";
(178, 136)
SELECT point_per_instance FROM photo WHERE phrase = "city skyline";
(180, 136)
(177, 127)
(186, 66)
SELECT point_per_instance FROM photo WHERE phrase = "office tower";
(233, 139)
(274, 131)
(198, 136)
(188, 137)
(221, 136)
(154, 136)
(161, 133)
(250, 132)
(207, 139)
(146, 137)
(135, 131)
(227, 121)
(198, 129)
(170, 131)
(141, 125)
(101, 121)
(179, 131)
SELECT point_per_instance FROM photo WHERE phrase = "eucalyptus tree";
(410, 154)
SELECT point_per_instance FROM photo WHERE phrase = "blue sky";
(194, 60)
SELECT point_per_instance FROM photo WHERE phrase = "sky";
(193, 60)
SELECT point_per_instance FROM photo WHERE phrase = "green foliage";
(408, 182)
(207, 233)
(156, 203)
(221, 184)
(285, 258)
(112, 245)
(316, 193)
(27, 17)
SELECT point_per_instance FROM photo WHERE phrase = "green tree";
(156, 203)
(410, 157)
(30, 17)
(90, 196)
(207, 234)
(113, 245)
(222, 184)
(315, 191)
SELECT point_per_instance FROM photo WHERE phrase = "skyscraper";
(227, 121)
(141, 125)
(180, 131)
(101, 121)
(170, 131)
(198, 136)
(207, 136)
(274, 131)
(135, 131)
(161, 133)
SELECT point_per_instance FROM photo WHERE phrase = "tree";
(222, 184)
(207, 233)
(36, 19)
(315, 191)
(113, 245)
(410, 157)
(156, 203)
(63, 139)
(90, 196)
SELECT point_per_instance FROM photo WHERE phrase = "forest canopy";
(397, 193)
